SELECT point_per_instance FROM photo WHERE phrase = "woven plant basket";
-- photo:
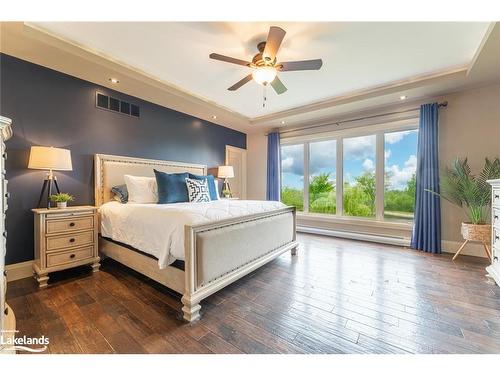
(476, 232)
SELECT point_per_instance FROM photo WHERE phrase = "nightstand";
(64, 238)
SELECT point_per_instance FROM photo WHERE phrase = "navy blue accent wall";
(53, 109)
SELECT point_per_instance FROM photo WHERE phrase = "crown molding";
(380, 90)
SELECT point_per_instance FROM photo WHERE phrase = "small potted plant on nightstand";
(61, 199)
(460, 187)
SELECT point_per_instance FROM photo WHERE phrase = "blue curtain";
(427, 229)
(273, 167)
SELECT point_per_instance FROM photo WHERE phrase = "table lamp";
(49, 159)
(225, 172)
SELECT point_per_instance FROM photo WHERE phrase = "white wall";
(469, 127)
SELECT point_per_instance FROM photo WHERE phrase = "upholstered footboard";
(219, 253)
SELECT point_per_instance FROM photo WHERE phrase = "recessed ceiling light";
(114, 81)
(214, 117)
(283, 122)
(403, 97)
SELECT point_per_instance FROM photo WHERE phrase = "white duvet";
(158, 229)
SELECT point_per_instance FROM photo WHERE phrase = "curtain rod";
(338, 123)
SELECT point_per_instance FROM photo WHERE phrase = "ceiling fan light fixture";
(264, 74)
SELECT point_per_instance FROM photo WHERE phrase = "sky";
(359, 156)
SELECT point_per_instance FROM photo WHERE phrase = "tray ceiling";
(356, 56)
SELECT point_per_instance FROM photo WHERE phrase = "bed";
(194, 249)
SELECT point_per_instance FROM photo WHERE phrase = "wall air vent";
(116, 105)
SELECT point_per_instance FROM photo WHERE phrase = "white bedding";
(158, 229)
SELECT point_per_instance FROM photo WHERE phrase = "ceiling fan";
(265, 65)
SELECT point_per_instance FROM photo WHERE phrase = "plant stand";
(486, 248)
(477, 233)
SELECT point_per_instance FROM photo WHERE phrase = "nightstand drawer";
(69, 224)
(70, 240)
(65, 257)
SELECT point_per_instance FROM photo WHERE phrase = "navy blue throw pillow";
(121, 192)
(171, 187)
(211, 184)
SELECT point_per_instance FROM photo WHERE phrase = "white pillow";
(141, 189)
(197, 190)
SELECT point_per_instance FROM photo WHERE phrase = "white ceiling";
(356, 56)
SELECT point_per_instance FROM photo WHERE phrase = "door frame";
(243, 153)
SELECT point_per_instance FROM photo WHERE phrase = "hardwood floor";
(336, 296)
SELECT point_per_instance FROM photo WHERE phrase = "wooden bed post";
(191, 308)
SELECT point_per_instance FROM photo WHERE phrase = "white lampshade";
(225, 171)
(50, 158)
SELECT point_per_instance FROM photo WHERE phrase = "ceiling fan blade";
(228, 59)
(278, 86)
(273, 43)
(240, 83)
(301, 65)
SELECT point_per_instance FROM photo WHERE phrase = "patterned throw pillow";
(120, 192)
(197, 190)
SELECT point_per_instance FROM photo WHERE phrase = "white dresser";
(7, 319)
(494, 268)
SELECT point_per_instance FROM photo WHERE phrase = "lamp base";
(47, 186)
(226, 190)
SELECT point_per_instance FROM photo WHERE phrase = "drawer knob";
(71, 224)
(497, 196)
(72, 256)
(495, 217)
(495, 258)
(71, 240)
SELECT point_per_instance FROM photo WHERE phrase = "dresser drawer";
(495, 217)
(69, 224)
(70, 240)
(69, 256)
(495, 199)
(495, 241)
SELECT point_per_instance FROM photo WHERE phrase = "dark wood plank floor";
(336, 296)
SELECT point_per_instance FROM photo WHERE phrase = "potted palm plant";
(61, 199)
(473, 193)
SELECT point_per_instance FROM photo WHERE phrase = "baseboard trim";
(19, 271)
(399, 241)
(473, 248)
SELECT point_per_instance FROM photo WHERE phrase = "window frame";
(379, 130)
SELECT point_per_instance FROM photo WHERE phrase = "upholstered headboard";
(110, 169)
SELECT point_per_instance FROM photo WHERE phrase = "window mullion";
(379, 176)
(306, 177)
(339, 177)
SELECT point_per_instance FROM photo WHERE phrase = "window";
(292, 175)
(360, 172)
(322, 166)
(359, 176)
(400, 154)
